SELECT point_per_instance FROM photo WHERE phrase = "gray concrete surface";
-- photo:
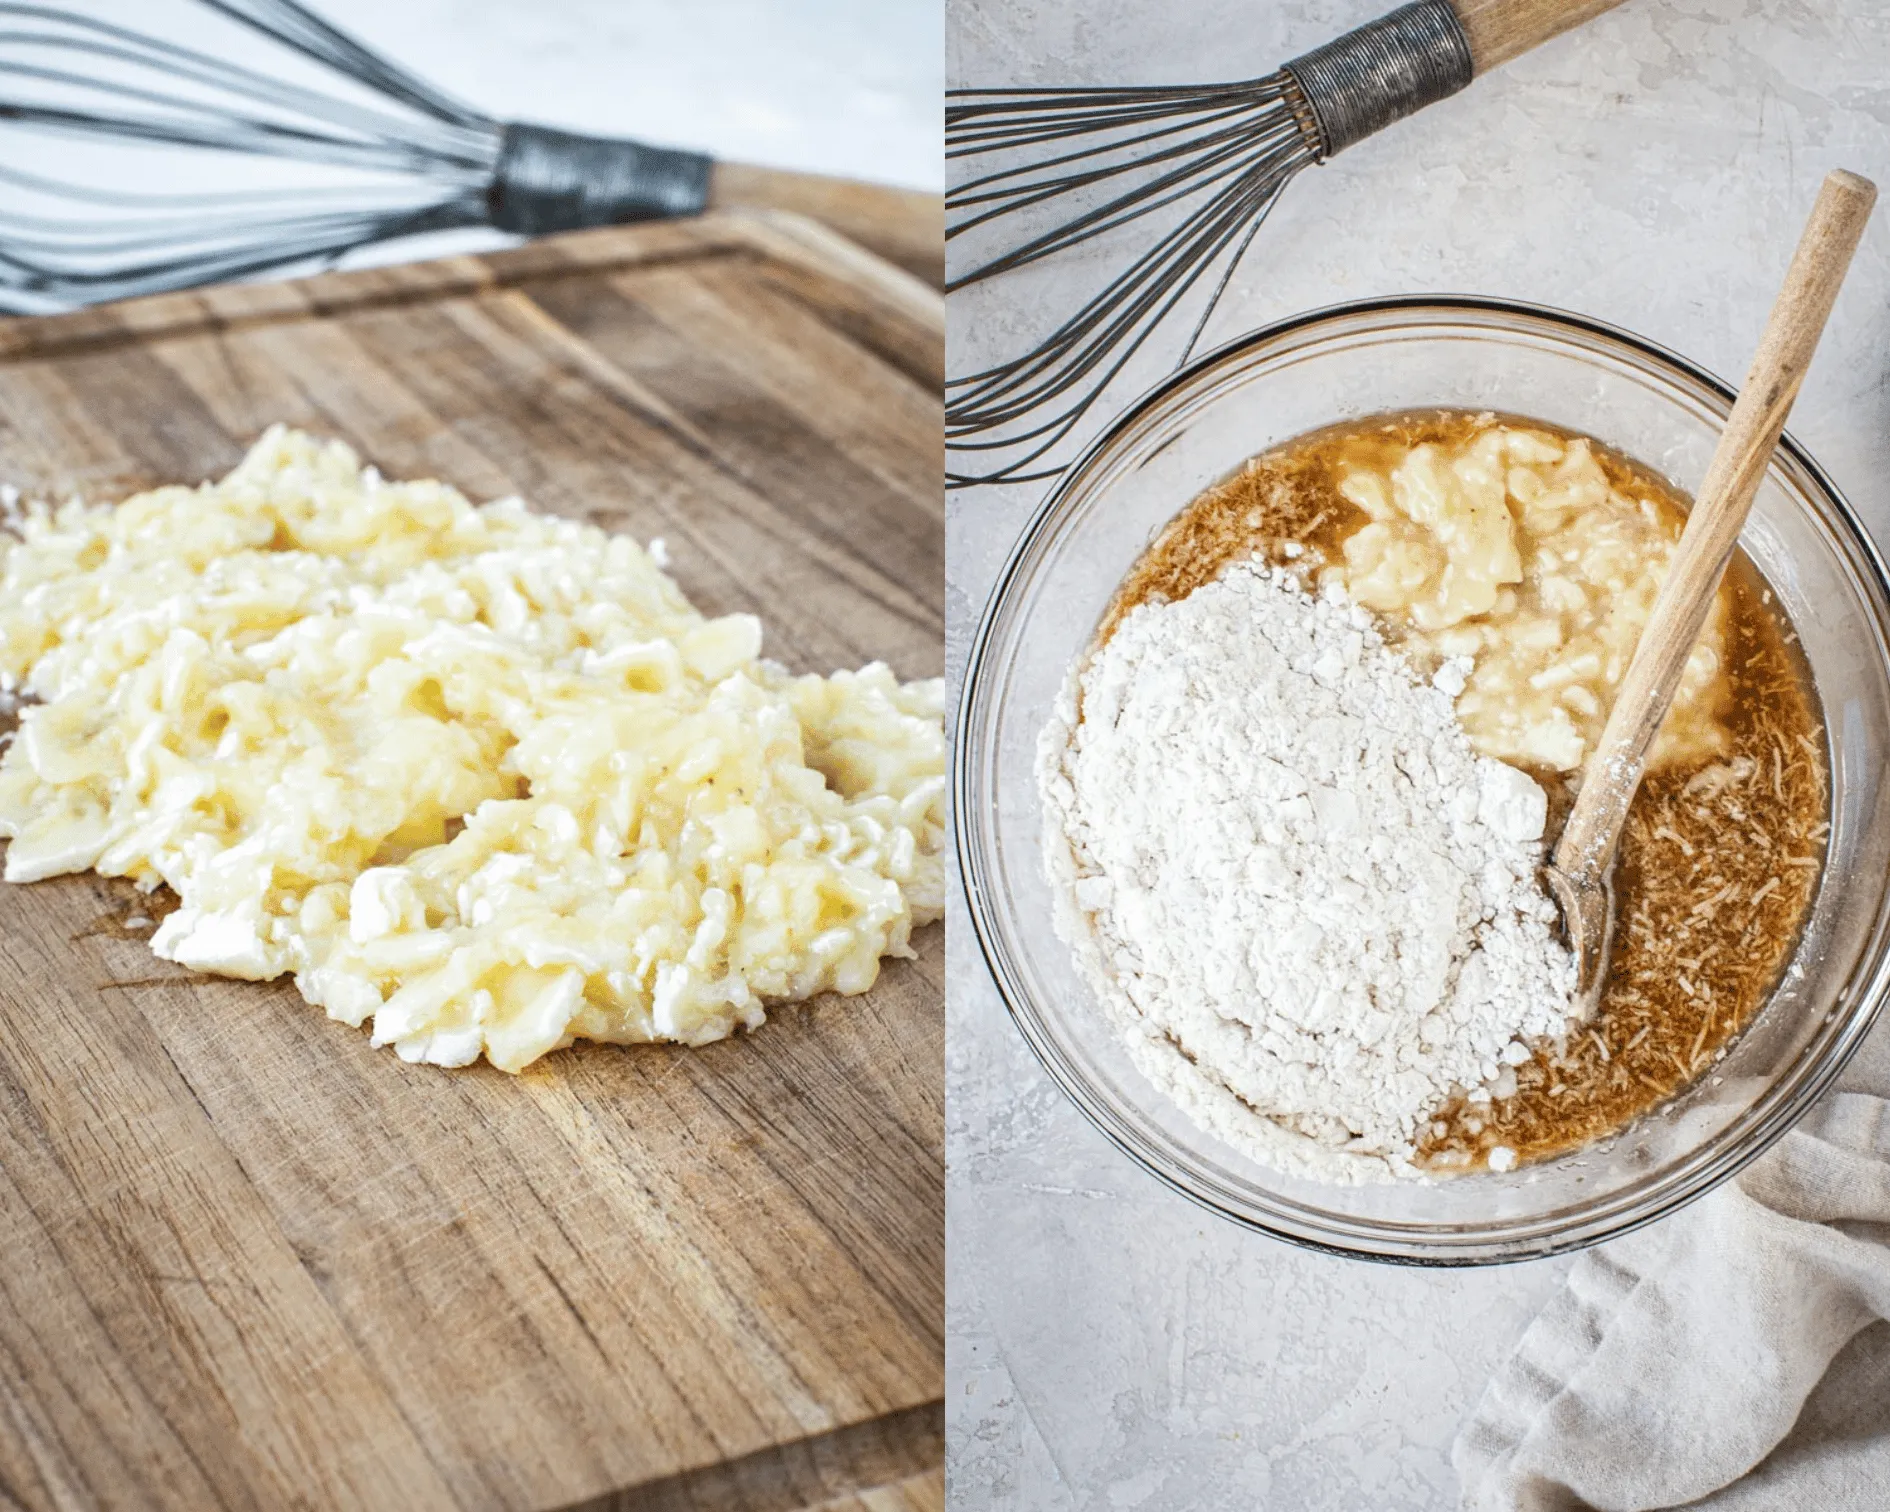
(1110, 1345)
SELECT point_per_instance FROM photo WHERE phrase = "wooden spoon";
(1578, 874)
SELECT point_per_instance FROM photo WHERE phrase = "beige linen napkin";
(1734, 1357)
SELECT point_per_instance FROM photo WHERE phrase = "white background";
(849, 87)
(1110, 1345)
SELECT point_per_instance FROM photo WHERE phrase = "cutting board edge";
(764, 241)
(779, 235)
(847, 1460)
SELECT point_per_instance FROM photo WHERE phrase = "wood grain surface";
(248, 1262)
(922, 1493)
(1498, 30)
(904, 226)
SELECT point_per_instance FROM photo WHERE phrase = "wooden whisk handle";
(1422, 52)
(1499, 30)
(1587, 843)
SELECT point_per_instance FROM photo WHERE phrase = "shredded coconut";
(1309, 907)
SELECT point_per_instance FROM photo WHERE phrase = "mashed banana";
(1513, 549)
(480, 775)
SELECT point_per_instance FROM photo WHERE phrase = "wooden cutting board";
(248, 1262)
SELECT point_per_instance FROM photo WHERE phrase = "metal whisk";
(417, 160)
(1207, 163)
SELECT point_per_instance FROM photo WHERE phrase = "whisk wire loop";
(1231, 156)
(302, 30)
(169, 61)
(421, 161)
(1012, 412)
(1030, 190)
(1205, 163)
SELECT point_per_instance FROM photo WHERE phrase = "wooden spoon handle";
(1499, 30)
(1732, 478)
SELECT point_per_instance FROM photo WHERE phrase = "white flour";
(1308, 905)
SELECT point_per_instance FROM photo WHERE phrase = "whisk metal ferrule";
(1379, 73)
(550, 180)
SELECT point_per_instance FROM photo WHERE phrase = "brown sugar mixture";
(1533, 554)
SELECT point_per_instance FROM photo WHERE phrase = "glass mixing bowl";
(1344, 363)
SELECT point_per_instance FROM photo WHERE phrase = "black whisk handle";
(551, 180)
(1381, 72)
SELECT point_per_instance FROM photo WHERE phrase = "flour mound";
(1309, 907)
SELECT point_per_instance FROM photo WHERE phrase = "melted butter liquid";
(1717, 870)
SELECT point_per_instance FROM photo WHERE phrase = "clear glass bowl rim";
(973, 865)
